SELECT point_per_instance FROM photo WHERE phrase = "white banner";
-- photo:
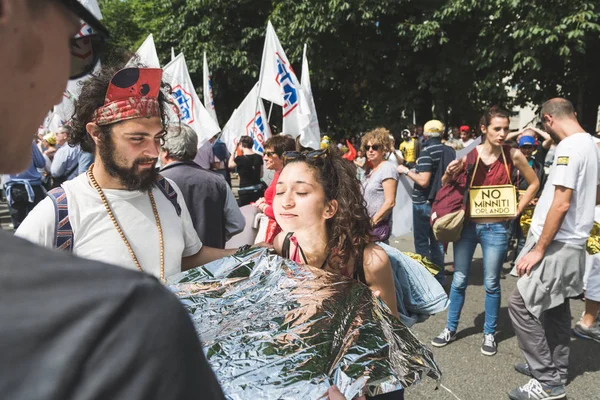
(207, 92)
(402, 214)
(279, 84)
(190, 109)
(310, 135)
(147, 53)
(66, 107)
(247, 120)
(55, 123)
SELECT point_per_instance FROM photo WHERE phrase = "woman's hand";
(454, 167)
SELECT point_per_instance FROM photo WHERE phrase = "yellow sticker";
(562, 160)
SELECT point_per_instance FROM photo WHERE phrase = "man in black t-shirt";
(250, 170)
(427, 166)
(71, 328)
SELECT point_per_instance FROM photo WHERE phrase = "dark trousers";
(545, 345)
(21, 205)
(246, 197)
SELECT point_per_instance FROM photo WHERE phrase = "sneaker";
(488, 347)
(444, 338)
(591, 333)
(536, 390)
(523, 368)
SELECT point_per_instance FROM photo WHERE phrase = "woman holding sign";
(493, 204)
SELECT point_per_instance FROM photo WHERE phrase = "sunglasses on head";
(289, 156)
(87, 46)
(375, 147)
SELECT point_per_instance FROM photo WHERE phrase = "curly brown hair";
(380, 136)
(93, 92)
(348, 230)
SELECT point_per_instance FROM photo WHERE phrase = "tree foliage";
(375, 61)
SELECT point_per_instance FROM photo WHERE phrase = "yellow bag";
(499, 201)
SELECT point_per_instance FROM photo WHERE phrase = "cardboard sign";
(492, 201)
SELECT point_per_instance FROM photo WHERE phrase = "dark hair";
(559, 108)
(348, 230)
(280, 144)
(494, 112)
(92, 96)
(247, 142)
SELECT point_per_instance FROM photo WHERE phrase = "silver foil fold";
(272, 329)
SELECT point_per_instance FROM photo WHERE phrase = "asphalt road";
(468, 374)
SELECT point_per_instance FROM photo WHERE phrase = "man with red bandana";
(121, 211)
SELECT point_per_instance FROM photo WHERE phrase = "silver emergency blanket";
(272, 329)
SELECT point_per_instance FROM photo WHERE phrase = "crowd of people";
(128, 195)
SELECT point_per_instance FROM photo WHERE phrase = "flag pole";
(270, 109)
(262, 63)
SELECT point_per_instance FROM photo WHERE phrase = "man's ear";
(93, 130)
(331, 209)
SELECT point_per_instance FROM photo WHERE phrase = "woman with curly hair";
(379, 186)
(319, 203)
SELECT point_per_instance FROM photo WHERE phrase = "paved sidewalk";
(468, 374)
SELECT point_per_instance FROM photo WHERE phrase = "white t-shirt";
(96, 238)
(576, 166)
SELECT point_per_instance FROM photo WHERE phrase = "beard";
(132, 178)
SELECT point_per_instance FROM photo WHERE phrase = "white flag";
(66, 108)
(209, 102)
(190, 109)
(248, 120)
(172, 53)
(310, 135)
(55, 123)
(147, 53)
(279, 84)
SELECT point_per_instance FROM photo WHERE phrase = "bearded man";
(121, 211)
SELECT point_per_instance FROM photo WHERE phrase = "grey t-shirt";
(373, 186)
(77, 329)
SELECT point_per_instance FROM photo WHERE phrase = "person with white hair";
(426, 168)
(212, 206)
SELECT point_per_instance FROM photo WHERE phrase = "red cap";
(465, 128)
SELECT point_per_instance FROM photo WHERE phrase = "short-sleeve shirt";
(428, 161)
(373, 186)
(575, 166)
(408, 149)
(248, 167)
(96, 237)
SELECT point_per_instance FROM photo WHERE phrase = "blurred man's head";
(527, 145)
(180, 144)
(559, 118)
(62, 135)
(36, 62)
(465, 133)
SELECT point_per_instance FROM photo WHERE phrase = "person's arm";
(232, 163)
(234, 219)
(560, 207)
(513, 135)
(389, 194)
(38, 227)
(548, 142)
(360, 161)
(529, 174)
(59, 163)
(379, 276)
(453, 169)
(85, 160)
(37, 157)
(204, 256)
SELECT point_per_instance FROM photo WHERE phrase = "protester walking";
(426, 169)
(379, 187)
(552, 263)
(250, 171)
(490, 164)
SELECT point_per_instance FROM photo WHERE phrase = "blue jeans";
(494, 243)
(425, 243)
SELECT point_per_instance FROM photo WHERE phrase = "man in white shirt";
(552, 263)
(119, 212)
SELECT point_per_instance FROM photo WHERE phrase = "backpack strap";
(171, 194)
(63, 233)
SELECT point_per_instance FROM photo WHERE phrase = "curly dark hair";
(93, 92)
(349, 229)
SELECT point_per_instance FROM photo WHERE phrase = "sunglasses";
(87, 46)
(289, 156)
(374, 147)
(269, 154)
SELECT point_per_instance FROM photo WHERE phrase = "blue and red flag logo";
(185, 102)
(284, 79)
(256, 130)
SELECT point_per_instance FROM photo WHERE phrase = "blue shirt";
(32, 175)
(66, 161)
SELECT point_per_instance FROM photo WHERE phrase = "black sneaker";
(538, 391)
(444, 338)
(489, 347)
(523, 368)
(591, 333)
